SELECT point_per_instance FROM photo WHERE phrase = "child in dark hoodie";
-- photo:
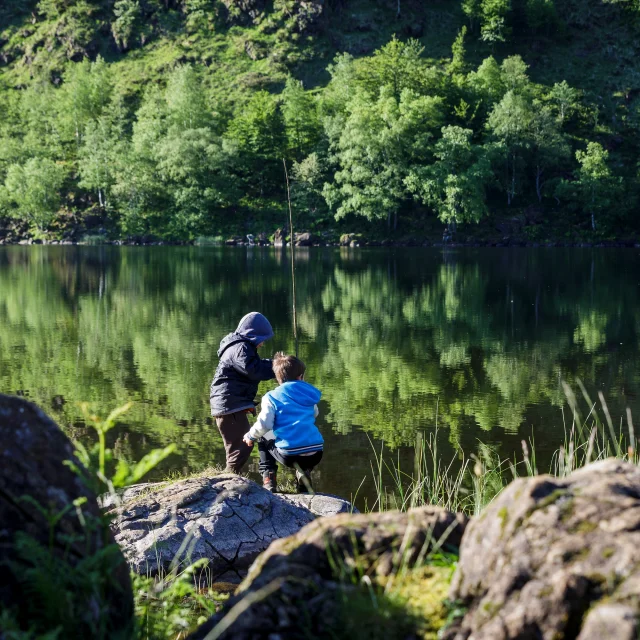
(235, 384)
(285, 429)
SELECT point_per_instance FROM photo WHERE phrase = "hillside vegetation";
(171, 118)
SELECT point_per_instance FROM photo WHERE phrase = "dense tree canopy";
(394, 136)
(454, 185)
(32, 190)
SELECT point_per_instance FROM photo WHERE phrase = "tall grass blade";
(607, 416)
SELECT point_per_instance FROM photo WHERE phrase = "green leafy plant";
(165, 606)
(172, 605)
(98, 458)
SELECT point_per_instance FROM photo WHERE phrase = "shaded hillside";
(244, 45)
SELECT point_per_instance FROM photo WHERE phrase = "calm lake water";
(476, 341)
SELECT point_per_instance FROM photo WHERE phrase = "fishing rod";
(293, 256)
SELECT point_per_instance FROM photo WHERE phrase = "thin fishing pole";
(293, 257)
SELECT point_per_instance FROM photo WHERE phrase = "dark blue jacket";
(240, 369)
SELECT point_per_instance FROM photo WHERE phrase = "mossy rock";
(423, 593)
(60, 568)
(356, 576)
(549, 550)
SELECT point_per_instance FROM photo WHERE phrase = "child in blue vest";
(285, 429)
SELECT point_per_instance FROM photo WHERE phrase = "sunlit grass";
(469, 482)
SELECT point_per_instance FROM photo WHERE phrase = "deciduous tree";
(455, 184)
(375, 150)
(302, 124)
(494, 27)
(596, 184)
(32, 190)
(510, 123)
(84, 95)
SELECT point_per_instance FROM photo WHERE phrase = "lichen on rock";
(554, 558)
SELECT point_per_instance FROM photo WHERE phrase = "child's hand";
(248, 441)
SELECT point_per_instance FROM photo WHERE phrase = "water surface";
(475, 341)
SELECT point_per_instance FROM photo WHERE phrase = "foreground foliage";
(411, 598)
(165, 607)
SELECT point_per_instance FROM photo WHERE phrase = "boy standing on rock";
(285, 429)
(235, 385)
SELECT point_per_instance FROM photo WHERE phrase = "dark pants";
(270, 456)
(232, 427)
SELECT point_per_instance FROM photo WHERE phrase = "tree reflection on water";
(477, 340)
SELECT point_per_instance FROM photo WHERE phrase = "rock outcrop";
(244, 12)
(346, 239)
(308, 15)
(554, 558)
(306, 239)
(293, 588)
(52, 532)
(226, 519)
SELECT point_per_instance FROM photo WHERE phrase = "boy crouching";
(285, 429)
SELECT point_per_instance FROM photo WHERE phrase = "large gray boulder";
(296, 589)
(554, 558)
(227, 519)
(59, 565)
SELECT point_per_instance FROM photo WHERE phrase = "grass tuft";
(469, 485)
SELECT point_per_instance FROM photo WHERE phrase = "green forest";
(171, 119)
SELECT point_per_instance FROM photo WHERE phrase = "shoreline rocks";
(548, 558)
(311, 567)
(554, 558)
(227, 519)
(320, 504)
(279, 242)
(306, 239)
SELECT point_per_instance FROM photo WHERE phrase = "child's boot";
(270, 481)
(303, 480)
